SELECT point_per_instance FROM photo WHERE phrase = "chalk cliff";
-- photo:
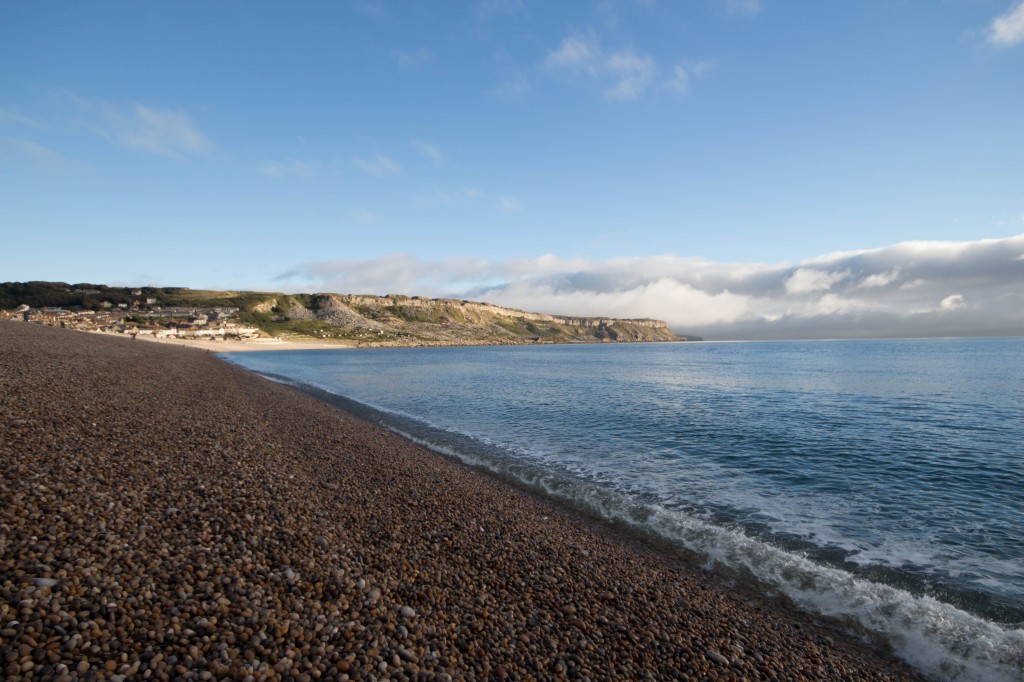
(396, 320)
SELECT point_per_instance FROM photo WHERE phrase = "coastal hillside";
(351, 319)
(404, 320)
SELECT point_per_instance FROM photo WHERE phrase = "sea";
(879, 483)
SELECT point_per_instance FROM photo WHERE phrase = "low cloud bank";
(907, 289)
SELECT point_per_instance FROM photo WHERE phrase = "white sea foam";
(937, 639)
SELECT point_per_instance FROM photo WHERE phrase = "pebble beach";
(167, 515)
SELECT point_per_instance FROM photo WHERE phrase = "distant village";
(143, 316)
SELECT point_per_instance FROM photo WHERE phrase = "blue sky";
(495, 147)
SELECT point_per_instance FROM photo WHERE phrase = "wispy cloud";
(38, 156)
(378, 165)
(682, 75)
(465, 196)
(394, 273)
(411, 59)
(743, 7)
(512, 88)
(369, 8)
(576, 53)
(147, 129)
(907, 289)
(679, 82)
(8, 117)
(1008, 29)
(430, 151)
(623, 74)
(448, 196)
(152, 130)
(283, 169)
(631, 74)
(510, 204)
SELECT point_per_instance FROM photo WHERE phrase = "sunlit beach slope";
(163, 511)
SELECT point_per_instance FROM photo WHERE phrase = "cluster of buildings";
(133, 319)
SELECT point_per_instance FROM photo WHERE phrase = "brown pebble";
(169, 514)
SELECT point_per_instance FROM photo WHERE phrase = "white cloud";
(466, 195)
(682, 75)
(166, 132)
(450, 197)
(743, 7)
(369, 8)
(511, 89)
(912, 284)
(453, 196)
(510, 204)
(430, 151)
(810, 280)
(631, 74)
(38, 156)
(680, 80)
(575, 53)
(835, 295)
(395, 273)
(1008, 29)
(378, 165)
(952, 302)
(281, 169)
(622, 74)
(880, 279)
(152, 130)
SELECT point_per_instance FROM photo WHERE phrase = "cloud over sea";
(921, 288)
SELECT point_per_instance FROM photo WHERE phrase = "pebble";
(168, 515)
(717, 657)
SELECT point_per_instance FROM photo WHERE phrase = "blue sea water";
(878, 482)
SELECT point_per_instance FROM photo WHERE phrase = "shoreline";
(183, 515)
(236, 346)
(277, 344)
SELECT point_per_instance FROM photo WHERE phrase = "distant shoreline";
(277, 344)
(234, 346)
(223, 345)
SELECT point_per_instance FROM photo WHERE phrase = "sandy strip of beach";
(245, 345)
(167, 515)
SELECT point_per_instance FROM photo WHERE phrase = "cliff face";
(413, 321)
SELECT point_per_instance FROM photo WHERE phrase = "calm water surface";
(881, 482)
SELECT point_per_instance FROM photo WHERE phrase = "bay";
(878, 482)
